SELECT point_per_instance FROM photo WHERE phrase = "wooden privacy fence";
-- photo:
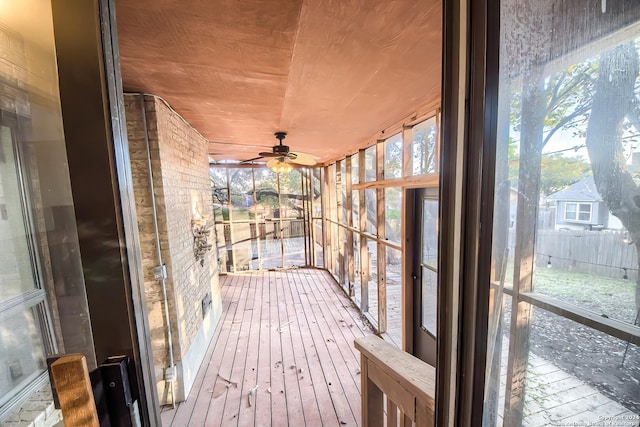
(603, 253)
(407, 383)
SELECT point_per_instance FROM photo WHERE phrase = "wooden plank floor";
(282, 355)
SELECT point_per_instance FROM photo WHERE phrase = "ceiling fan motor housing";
(281, 149)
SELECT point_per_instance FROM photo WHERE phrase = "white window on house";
(577, 212)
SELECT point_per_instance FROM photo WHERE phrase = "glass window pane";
(370, 164)
(343, 190)
(241, 197)
(430, 233)
(343, 279)
(370, 200)
(570, 211)
(423, 147)
(293, 231)
(316, 201)
(333, 196)
(357, 284)
(219, 193)
(392, 213)
(22, 353)
(355, 177)
(355, 204)
(567, 173)
(394, 294)
(429, 306)
(393, 157)
(16, 257)
(372, 248)
(319, 254)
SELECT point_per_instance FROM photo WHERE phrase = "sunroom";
(323, 213)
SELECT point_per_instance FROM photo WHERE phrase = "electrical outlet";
(170, 373)
(160, 272)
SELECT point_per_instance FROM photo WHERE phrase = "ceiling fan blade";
(302, 159)
(267, 154)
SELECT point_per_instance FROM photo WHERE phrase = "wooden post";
(349, 253)
(392, 413)
(305, 220)
(330, 208)
(381, 265)
(407, 160)
(279, 221)
(323, 213)
(72, 383)
(341, 222)
(364, 260)
(437, 153)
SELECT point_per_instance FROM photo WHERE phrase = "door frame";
(411, 295)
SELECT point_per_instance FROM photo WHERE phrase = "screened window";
(355, 178)
(393, 157)
(370, 164)
(424, 147)
(564, 304)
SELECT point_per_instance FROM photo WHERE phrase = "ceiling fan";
(282, 158)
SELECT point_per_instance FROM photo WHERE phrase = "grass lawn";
(603, 295)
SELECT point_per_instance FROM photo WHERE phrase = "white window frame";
(578, 211)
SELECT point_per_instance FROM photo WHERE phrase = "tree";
(556, 171)
(615, 106)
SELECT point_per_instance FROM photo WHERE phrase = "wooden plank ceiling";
(331, 73)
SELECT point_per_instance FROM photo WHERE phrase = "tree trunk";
(613, 100)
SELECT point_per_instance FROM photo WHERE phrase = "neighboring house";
(580, 207)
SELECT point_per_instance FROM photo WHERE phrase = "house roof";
(582, 191)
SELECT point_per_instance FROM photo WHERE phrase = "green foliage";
(558, 172)
(423, 149)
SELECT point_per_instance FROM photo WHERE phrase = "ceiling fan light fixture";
(282, 167)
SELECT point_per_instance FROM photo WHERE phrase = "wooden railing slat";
(392, 413)
(394, 391)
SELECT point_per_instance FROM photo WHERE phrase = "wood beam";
(364, 255)
(341, 221)
(407, 160)
(429, 181)
(381, 265)
(326, 225)
(349, 253)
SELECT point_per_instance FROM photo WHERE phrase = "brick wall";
(183, 193)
